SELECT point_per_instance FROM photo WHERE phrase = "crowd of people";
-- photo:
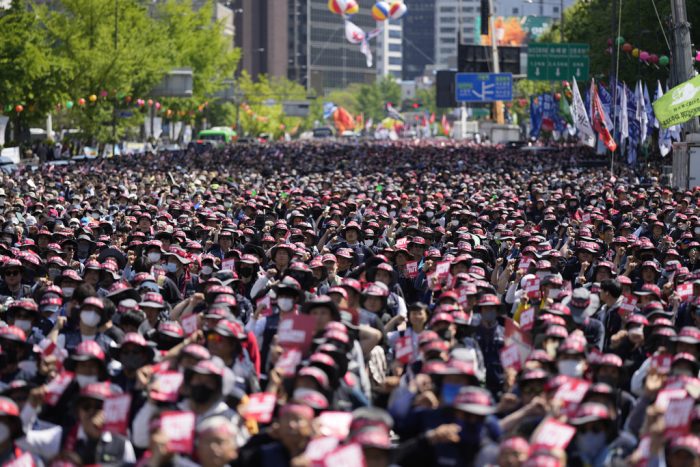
(325, 304)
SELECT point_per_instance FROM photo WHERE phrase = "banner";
(535, 116)
(580, 117)
(665, 144)
(679, 105)
(3, 127)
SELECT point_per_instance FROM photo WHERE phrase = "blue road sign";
(483, 87)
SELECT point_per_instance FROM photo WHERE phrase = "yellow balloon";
(92, 98)
(635, 53)
(351, 7)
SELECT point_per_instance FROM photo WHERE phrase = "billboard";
(515, 30)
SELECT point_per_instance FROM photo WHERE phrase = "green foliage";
(372, 98)
(589, 21)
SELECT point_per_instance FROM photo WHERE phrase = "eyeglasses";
(13, 272)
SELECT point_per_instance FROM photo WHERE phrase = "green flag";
(254, 193)
(379, 188)
(679, 105)
(565, 110)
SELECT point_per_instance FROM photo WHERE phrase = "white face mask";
(573, 368)
(84, 380)
(553, 293)
(454, 222)
(4, 432)
(24, 324)
(90, 318)
(369, 242)
(153, 257)
(171, 267)
(429, 214)
(207, 270)
(285, 304)
(68, 291)
(392, 213)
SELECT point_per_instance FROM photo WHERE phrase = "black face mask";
(445, 334)
(201, 393)
(246, 272)
(133, 361)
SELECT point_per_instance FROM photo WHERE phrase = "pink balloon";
(697, 56)
(644, 56)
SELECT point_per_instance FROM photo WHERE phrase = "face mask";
(573, 368)
(84, 380)
(24, 324)
(68, 291)
(153, 257)
(171, 267)
(285, 304)
(590, 443)
(207, 270)
(369, 242)
(54, 273)
(246, 272)
(4, 432)
(133, 362)
(201, 393)
(90, 318)
(448, 392)
(392, 213)
(553, 293)
(488, 316)
(454, 222)
(429, 214)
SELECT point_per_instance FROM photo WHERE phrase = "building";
(389, 50)
(318, 55)
(418, 39)
(542, 8)
(261, 32)
(450, 15)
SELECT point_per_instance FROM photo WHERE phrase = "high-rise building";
(389, 50)
(543, 8)
(449, 16)
(261, 33)
(418, 40)
(319, 56)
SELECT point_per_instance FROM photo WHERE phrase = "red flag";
(599, 122)
(432, 118)
(445, 125)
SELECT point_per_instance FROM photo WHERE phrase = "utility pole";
(498, 105)
(682, 52)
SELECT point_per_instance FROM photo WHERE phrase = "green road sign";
(556, 62)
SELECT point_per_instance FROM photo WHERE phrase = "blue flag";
(634, 128)
(535, 116)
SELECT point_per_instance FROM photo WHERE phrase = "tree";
(372, 98)
(30, 76)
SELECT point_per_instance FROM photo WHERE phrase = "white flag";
(581, 122)
(665, 143)
(353, 33)
(641, 112)
(624, 117)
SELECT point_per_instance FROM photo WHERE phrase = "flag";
(606, 101)
(565, 109)
(328, 110)
(353, 33)
(368, 124)
(640, 113)
(580, 118)
(535, 116)
(600, 124)
(343, 120)
(675, 129)
(623, 115)
(432, 118)
(359, 122)
(548, 112)
(634, 127)
(445, 126)
(391, 112)
(665, 144)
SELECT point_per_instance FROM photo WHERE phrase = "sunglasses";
(12, 273)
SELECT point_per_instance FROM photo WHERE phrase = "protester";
(382, 304)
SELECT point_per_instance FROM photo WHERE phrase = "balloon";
(69, 105)
(627, 47)
(103, 93)
(140, 102)
(620, 40)
(635, 53)
(353, 33)
(380, 11)
(150, 102)
(557, 96)
(337, 6)
(609, 41)
(19, 108)
(351, 7)
(644, 55)
(565, 83)
(664, 60)
(157, 105)
(81, 101)
(127, 99)
(397, 10)
(653, 58)
(697, 56)
(568, 94)
(522, 102)
(92, 98)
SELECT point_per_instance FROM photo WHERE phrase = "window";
(447, 51)
(555, 9)
(394, 34)
(516, 11)
(394, 60)
(394, 47)
(396, 74)
(449, 20)
(447, 40)
(468, 9)
(448, 9)
(448, 30)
